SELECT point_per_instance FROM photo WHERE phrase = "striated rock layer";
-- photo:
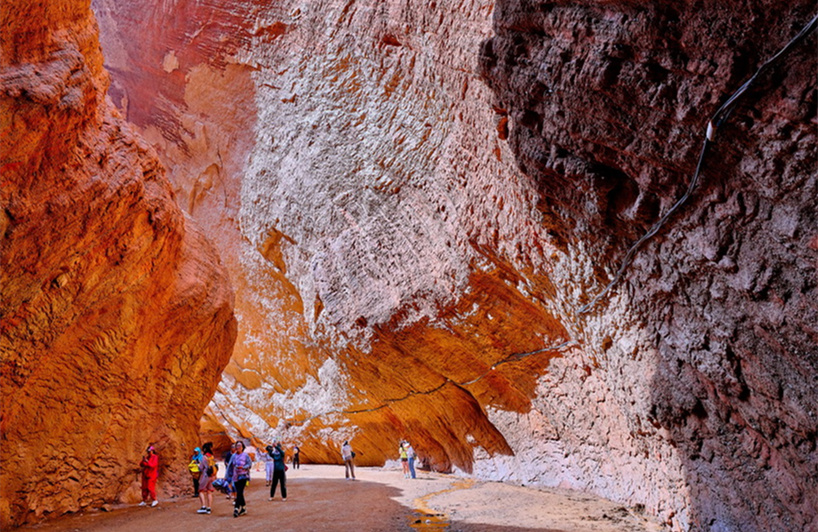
(115, 312)
(403, 271)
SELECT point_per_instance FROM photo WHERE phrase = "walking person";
(241, 464)
(279, 471)
(348, 455)
(296, 457)
(207, 466)
(404, 459)
(410, 454)
(150, 472)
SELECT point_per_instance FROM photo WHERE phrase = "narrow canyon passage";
(562, 245)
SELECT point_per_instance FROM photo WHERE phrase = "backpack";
(221, 485)
(212, 468)
(193, 466)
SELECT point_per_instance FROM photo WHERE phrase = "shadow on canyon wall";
(607, 106)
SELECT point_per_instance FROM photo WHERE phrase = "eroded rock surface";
(608, 106)
(115, 313)
(400, 266)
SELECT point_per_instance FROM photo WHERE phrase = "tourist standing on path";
(207, 465)
(268, 464)
(348, 456)
(410, 454)
(296, 457)
(279, 472)
(241, 465)
(404, 459)
(228, 473)
(150, 472)
(195, 472)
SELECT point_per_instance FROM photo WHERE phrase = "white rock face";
(386, 177)
(365, 158)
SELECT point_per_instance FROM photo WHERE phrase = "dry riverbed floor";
(320, 499)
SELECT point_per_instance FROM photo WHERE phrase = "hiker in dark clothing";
(296, 457)
(277, 454)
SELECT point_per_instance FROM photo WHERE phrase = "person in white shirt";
(348, 455)
(410, 454)
(269, 464)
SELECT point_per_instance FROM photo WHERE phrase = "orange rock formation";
(428, 300)
(415, 198)
(115, 313)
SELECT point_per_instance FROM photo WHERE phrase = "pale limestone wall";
(375, 186)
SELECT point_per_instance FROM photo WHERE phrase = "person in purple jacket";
(240, 463)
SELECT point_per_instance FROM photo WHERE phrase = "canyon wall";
(115, 313)
(609, 107)
(359, 240)
(414, 200)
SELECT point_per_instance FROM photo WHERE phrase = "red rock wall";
(392, 261)
(115, 312)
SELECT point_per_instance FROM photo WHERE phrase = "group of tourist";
(204, 471)
(237, 474)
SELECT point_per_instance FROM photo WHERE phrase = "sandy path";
(319, 498)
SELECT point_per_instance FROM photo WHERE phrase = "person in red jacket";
(150, 472)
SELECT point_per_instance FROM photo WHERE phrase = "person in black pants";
(277, 454)
(195, 473)
(241, 474)
(296, 457)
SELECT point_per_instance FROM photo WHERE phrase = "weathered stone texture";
(608, 106)
(385, 243)
(362, 211)
(115, 313)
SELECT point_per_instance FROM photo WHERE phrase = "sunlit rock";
(115, 313)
